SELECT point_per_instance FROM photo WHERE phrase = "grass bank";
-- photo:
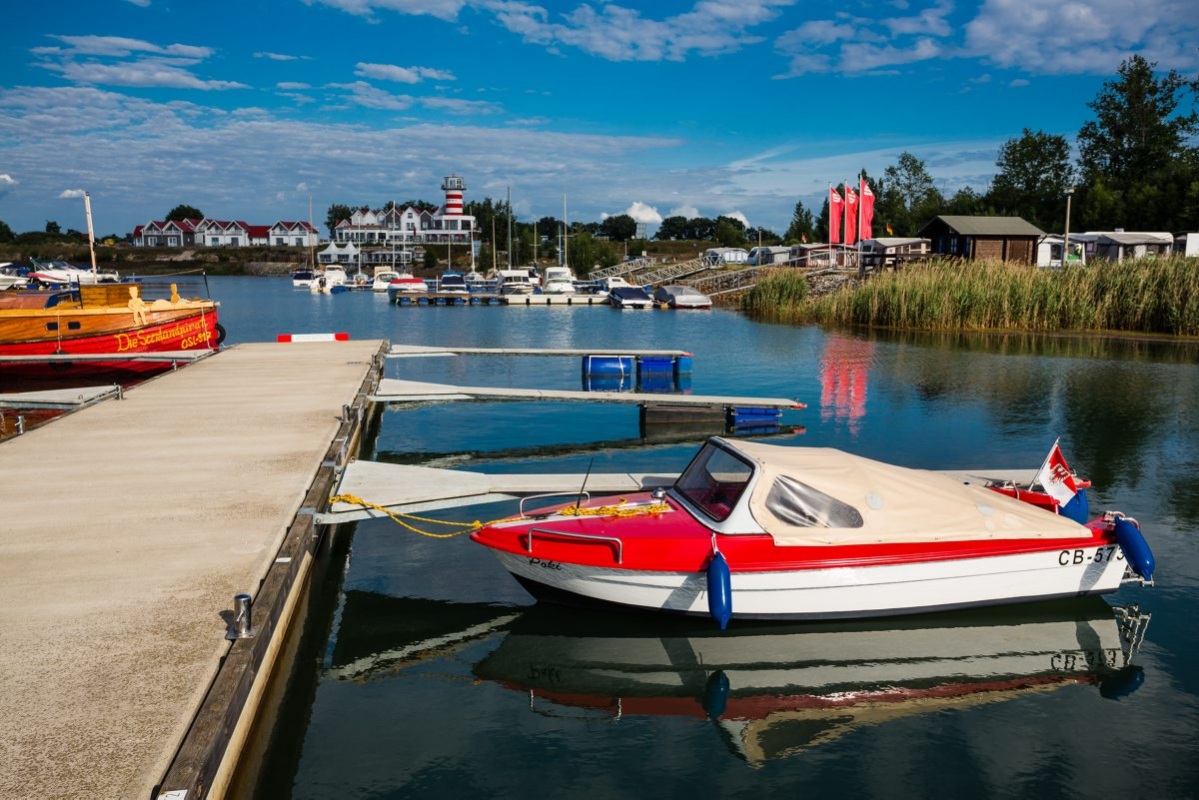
(1158, 296)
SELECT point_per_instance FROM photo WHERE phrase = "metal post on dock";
(241, 627)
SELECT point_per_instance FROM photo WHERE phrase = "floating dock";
(475, 299)
(126, 532)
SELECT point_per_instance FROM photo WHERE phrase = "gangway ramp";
(404, 488)
(393, 390)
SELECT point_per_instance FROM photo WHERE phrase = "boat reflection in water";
(776, 690)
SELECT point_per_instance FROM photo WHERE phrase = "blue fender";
(1078, 509)
(1135, 548)
(720, 590)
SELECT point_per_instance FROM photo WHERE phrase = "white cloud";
(7, 180)
(442, 9)
(104, 60)
(291, 86)
(642, 212)
(616, 33)
(71, 194)
(689, 212)
(737, 215)
(1084, 36)
(454, 105)
(367, 96)
(391, 72)
(282, 57)
(121, 47)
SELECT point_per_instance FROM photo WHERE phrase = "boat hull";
(844, 591)
(102, 331)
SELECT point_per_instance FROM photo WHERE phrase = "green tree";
(906, 197)
(803, 226)
(1137, 157)
(184, 212)
(619, 228)
(430, 260)
(337, 213)
(1034, 173)
(729, 232)
(6, 234)
(968, 203)
(53, 228)
(672, 228)
(586, 253)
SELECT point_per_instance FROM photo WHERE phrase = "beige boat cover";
(895, 504)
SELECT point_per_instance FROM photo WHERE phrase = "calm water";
(425, 671)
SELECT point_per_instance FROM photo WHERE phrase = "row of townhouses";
(224, 233)
(390, 227)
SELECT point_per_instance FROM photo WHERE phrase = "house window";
(279, 240)
(235, 241)
(299, 241)
(213, 241)
(172, 241)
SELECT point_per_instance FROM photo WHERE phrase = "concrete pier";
(127, 529)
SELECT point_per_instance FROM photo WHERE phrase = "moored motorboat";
(383, 278)
(758, 531)
(558, 280)
(629, 297)
(681, 296)
(13, 276)
(406, 284)
(514, 281)
(303, 278)
(452, 282)
(331, 281)
(62, 274)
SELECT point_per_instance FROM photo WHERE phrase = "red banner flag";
(851, 215)
(834, 216)
(867, 206)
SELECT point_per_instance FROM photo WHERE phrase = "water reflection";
(844, 370)
(777, 691)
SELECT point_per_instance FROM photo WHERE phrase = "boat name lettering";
(190, 334)
(537, 562)
(1085, 659)
(1108, 553)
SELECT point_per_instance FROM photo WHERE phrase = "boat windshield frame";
(715, 498)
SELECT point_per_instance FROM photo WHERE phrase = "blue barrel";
(610, 365)
(720, 590)
(655, 365)
(741, 417)
(608, 383)
(682, 365)
(1135, 548)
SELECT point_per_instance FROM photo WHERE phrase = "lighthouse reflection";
(775, 691)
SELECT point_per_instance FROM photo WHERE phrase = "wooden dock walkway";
(127, 529)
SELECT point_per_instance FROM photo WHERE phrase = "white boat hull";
(869, 591)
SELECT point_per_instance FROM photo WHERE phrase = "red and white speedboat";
(761, 531)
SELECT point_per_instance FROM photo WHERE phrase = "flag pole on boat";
(91, 236)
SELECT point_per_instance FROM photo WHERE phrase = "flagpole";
(1045, 462)
(845, 225)
(861, 266)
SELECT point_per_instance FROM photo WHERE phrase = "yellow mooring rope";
(618, 510)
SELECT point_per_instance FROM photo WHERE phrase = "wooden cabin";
(975, 238)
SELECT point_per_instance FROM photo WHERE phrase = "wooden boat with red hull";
(760, 531)
(100, 320)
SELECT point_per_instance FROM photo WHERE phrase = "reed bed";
(1139, 296)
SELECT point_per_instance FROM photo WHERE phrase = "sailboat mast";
(565, 231)
(509, 227)
(91, 236)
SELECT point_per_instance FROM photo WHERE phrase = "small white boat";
(383, 279)
(303, 278)
(452, 282)
(680, 296)
(757, 531)
(558, 280)
(515, 281)
(406, 284)
(11, 277)
(60, 273)
(331, 281)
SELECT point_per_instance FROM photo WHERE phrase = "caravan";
(763, 256)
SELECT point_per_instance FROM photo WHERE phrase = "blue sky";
(686, 107)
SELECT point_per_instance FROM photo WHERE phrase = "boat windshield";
(715, 481)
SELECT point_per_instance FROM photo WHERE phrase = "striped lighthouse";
(453, 186)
